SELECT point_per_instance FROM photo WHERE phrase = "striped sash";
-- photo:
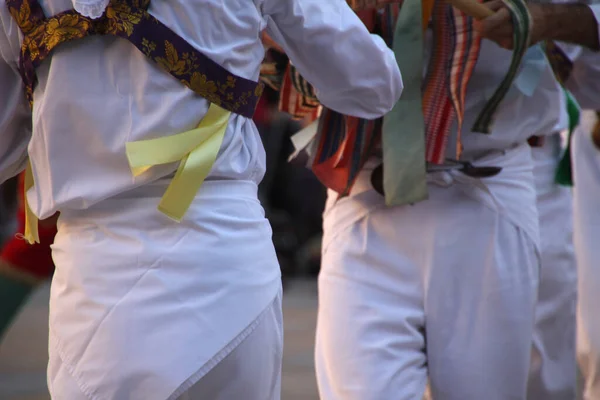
(297, 96)
(522, 23)
(344, 143)
(455, 51)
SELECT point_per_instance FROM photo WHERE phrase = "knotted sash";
(344, 143)
(455, 50)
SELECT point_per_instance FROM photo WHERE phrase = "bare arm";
(569, 23)
(584, 79)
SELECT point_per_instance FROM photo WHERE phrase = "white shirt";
(94, 95)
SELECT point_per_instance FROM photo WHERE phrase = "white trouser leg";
(588, 358)
(553, 365)
(444, 288)
(252, 371)
(586, 165)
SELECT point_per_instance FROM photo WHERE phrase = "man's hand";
(499, 27)
(569, 23)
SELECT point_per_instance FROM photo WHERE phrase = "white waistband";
(514, 160)
(510, 193)
(210, 192)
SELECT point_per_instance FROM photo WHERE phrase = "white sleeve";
(353, 71)
(596, 10)
(15, 114)
(584, 81)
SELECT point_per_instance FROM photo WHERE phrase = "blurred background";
(293, 200)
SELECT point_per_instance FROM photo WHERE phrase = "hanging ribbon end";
(177, 217)
(417, 194)
(392, 202)
(28, 237)
(482, 128)
(31, 234)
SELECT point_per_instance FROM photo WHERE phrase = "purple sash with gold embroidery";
(129, 19)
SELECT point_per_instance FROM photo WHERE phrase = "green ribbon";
(521, 20)
(564, 173)
(403, 135)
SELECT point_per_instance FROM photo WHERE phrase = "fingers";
(499, 22)
(497, 27)
(495, 5)
(506, 44)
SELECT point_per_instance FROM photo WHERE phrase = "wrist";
(541, 20)
(571, 23)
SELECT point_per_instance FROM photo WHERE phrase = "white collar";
(90, 8)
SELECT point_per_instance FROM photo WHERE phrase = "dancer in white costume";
(586, 161)
(143, 307)
(446, 289)
(553, 364)
(553, 369)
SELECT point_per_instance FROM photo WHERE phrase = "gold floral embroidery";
(34, 50)
(231, 81)
(66, 27)
(120, 19)
(200, 84)
(23, 17)
(172, 62)
(148, 46)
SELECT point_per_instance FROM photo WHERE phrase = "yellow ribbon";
(31, 234)
(196, 150)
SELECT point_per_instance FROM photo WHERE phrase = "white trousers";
(586, 164)
(553, 365)
(252, 370)
(142, 307)
(444, 289)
